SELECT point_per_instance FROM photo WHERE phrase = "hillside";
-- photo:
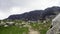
(36, 14)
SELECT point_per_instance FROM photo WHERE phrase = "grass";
(41, 27)
(13, 30)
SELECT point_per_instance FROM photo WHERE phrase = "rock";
(10, 23)
(56, 20)
(56, 26)
(5, 25)
(2, 23)
(44, 21)
(16, 24)
(54, 30)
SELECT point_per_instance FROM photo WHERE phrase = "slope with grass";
(27, 28)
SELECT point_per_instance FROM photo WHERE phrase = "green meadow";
(38, 26)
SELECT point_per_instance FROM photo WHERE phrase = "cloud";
(3, 15)
(33, 4)
(8, 7)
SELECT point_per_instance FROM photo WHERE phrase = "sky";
(9, 7)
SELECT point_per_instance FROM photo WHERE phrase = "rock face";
(36, 14)
(56, 26)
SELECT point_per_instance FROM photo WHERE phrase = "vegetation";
(41, 27)
(13, 30)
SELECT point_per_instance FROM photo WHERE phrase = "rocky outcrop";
(56, 26)
(6, 24)
(36, 14)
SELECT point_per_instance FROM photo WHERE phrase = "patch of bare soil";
(32, 31)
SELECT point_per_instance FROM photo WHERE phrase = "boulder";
(56, 26)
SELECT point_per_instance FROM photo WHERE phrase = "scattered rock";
(10, 23)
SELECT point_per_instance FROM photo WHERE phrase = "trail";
(32, 31)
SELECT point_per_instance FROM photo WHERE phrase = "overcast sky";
(9, 7)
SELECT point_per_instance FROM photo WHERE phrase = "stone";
(10, 23)
(56, 26)
(5, 25)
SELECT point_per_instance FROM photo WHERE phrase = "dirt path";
(32, 31)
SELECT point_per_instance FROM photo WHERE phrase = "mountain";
(36, 14)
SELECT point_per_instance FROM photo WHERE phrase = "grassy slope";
(13, 30)
(42, 28)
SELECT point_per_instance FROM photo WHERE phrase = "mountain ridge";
(36, 14)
